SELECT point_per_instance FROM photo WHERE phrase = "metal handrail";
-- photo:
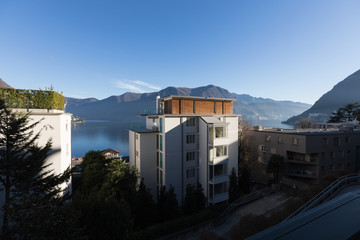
(323, 194)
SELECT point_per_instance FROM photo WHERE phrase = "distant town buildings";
(189, 140)
(309, 154)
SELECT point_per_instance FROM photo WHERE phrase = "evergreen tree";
(168, 206)
(275, 165)
(349, 112)
(144, 207)
(234, 190)
(28, 184)
(194, 200)
(244, 180)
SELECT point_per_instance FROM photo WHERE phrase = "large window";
(161, 142)
(190, 139)
(190, 122)
(190, 156)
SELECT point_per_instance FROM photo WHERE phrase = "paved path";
(258, 207)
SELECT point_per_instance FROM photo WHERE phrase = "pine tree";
(234, 190)
(28, 184)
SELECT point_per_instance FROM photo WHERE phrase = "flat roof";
(196, 98)
(308, 131)
(213, 120)
(144, 130)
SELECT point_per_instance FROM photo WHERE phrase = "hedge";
(32, 99)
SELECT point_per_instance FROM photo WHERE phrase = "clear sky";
(286, 50)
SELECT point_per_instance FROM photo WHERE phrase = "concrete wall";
(173, 155)
(204, 156)
(233, 142)
(148, 160)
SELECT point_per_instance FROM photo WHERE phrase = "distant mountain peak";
(344, 92)
(4, 84)
(129, 105)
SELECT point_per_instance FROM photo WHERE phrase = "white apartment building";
(189, 140)
(55, 125)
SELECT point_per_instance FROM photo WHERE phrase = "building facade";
(190, 140)
(309, 154)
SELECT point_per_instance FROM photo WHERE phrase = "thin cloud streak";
(122, 84)
(136, 85)
(145, 84)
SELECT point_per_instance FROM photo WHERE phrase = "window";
(136, 136)
(263, 148)
(336, 141)
(190, 139)
(296, 141)
(190, 173)
(190, 122)
(332, 154)
(281, 140)
(347, 140)
(267, 138)
(161, 160)
(161, 142)
(190, 156)
(261, 159)
(331, 167)
(194, 106)
(157, 159)
(325, 140)
(161, 125)
(157, 142)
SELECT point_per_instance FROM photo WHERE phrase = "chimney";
(157, 104)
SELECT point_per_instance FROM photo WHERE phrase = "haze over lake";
(100, 135)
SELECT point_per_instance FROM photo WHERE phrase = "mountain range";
(345, 92)
(129, 105)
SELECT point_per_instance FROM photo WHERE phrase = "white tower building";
(191, 140)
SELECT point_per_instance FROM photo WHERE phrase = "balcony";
(218, 136)
(218, 173)
(32, 99)
(219, 198)
(311, 161)
(218, 192)
(302, 173)
(218, 154)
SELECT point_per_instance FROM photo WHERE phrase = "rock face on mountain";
(345, 92)
(4, 84)
(127, 106)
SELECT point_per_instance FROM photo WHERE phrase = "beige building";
(189, 140)
(309, 153)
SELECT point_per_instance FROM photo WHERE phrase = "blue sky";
(285, 50)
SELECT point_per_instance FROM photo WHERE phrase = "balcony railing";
(219, 198)
(32, 99)
(301, 173)
(302, 160)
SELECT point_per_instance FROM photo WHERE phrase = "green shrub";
(32, 99)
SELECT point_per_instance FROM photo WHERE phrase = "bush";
(23, 98)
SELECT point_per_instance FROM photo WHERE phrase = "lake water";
(100, 135)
